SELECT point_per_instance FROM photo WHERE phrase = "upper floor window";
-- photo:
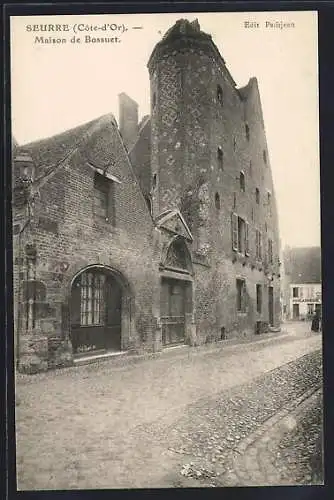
(240, 234)
(242, 181)
(257, 195)
(154, 100)
(258, 244)
(217, 201)
(219, 94)
(241, 295)
(154, 181)
(259, 298)
(265, 156)
(270, 251)
(295, 292)
(247, 131)
(103, 197)
(220, 158)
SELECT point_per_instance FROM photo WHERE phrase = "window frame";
(259, 298)
(242, 181)
(241, 305)
(258, 244)
(103, 198)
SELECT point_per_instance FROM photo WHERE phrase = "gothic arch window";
(219, 95)
(178, 255)
(247, 132)
(154, 181)
(220, 158)
(265, 156)
(242, 182)
(148, 203)
(217, 201)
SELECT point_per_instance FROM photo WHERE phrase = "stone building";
(302, 282)
(149, 234)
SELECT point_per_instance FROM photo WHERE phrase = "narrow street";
(218, 415)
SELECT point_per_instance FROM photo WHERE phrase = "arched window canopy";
(176, 256)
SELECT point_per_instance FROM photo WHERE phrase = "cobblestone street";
(218, 415)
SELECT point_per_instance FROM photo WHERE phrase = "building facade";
(144, 235)
(302, 282)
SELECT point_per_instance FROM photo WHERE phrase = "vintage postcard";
(166, 250)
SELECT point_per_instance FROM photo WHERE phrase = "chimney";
(128, 119)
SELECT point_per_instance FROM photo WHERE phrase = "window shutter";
(246, 238)
(111, 203)
(234, 224)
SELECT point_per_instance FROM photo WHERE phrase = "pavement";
(125, 423)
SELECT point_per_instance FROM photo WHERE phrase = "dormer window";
(242, 182)
(219, 95)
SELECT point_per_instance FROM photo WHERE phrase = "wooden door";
(173, 311)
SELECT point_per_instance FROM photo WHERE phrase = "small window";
(240, 235)
(234, 144)
(258, 242)
(217, 201)
(154, 181)
(250, 168)
(295, 292)
(242, 182)
(234, 200)
(148, 203)
(220, 95)
(220, 158)
(154, 100)
(268, 198)
(257, 195)
(270, 251)
(265, 156)
(241, 295)
(247, 131)
(259, 298)
(103, 200)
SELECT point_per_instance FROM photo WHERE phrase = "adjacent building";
(139, 236)
(302, 282)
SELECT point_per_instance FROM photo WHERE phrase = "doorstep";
(84, 360)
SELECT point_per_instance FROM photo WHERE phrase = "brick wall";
(69, 237)
(188, 125)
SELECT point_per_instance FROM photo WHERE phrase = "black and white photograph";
(167, 285)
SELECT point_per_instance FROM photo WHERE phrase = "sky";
(55, 87)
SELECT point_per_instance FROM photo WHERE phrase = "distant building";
(302, 282)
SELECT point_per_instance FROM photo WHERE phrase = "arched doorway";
(176, 292)
(96, 311)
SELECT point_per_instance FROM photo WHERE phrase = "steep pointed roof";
(185, 31)
(183, 27)
(48, 153)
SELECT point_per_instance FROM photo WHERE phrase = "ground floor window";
(310, 309)
(92, 310)
(241, 295)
